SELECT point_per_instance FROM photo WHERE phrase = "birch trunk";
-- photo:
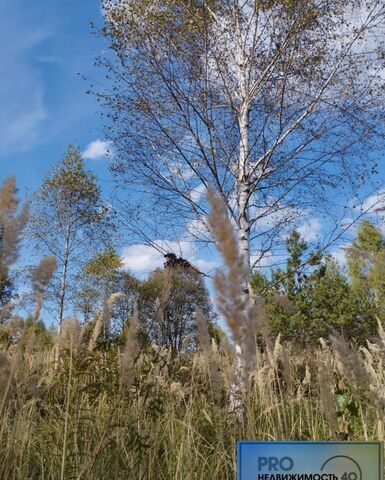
(244, 193)
(243, 168)
(63, 287)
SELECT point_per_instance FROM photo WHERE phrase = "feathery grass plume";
(256, 321)
(20, 358)
(274, 353)
(307, 379)
(70, 333)
(177, 390)
(348, 364)
(243, 318)
(111, 302)
(287, 372)
(40, 277)
(15, 327)
(231, 301)
(162, 301)
(217, 368)
(204, 340)
(267, 376)
(207, 370)
(99, 321)
(10, 330)
(381, 332)
(103, 318)
(6, 311)
(12, 225)
(6, 380)
(130, 352)
(374, 362)
(326, 388)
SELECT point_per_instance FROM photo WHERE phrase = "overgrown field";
(85, 403)
(119, 412)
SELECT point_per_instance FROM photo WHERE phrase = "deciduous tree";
(167, 305)
(101, 277)
(276, 104)
(68, 218)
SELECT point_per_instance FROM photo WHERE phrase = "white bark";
(63, 285)
(62, 294)
(244, 192)
(291, 89)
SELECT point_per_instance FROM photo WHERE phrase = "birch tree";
(102, 276)
(277, 104)
(67, 218)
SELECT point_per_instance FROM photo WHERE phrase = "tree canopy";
(275, 104)
(305, 304)
(68, 216)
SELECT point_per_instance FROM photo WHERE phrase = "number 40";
(349, 476)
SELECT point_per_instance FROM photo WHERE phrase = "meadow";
(75, 407)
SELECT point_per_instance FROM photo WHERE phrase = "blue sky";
(46, 44)
(47, 47)
(44, 105)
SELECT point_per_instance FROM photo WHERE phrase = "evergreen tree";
(306, 304)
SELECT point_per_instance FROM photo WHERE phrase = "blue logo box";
(310, 460)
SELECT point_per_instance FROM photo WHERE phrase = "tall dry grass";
(143, 413)
(170, 417)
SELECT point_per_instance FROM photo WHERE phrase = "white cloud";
(374, 202)
(288, 217)
(198, 229)
(142, 259)
(339, 256)
(205, 266)
(97, 149)
(197, 193)
(310, 229)
(22, 131)
(274, 214)
(347, 222)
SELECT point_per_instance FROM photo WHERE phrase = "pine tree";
(305, 304)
